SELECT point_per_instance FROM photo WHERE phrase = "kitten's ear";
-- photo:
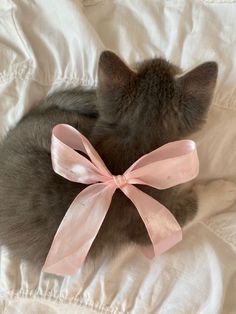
(115, 83)
(197, 88)
(113, 73)
(198, 84)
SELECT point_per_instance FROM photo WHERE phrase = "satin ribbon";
(165, 167)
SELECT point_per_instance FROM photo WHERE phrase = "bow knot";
(120, 181)
(165, 167)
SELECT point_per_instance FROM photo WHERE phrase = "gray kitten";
(130, 114)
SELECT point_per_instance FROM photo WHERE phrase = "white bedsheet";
(45, 45)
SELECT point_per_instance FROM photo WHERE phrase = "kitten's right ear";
(198, 84)
(197, 88)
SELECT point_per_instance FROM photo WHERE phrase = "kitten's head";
(153, 104)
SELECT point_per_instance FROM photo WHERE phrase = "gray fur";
(130, 114)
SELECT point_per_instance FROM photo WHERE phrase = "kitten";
(130, 114)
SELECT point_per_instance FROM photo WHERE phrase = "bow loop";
(158, 168)
(70, 164)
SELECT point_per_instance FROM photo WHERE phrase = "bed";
(47, 45)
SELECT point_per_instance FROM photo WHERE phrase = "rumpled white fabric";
(47, 45)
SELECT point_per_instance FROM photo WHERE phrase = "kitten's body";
(129, 115)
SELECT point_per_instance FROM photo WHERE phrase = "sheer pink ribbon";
(165, 167)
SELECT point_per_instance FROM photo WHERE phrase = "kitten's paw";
(215, 196)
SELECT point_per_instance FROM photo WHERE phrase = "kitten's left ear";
(196, 90)
(115, 81)
(113, 73)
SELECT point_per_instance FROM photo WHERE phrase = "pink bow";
(167, 166)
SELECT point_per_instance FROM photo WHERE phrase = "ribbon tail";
(78, 230)
(162, 227)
